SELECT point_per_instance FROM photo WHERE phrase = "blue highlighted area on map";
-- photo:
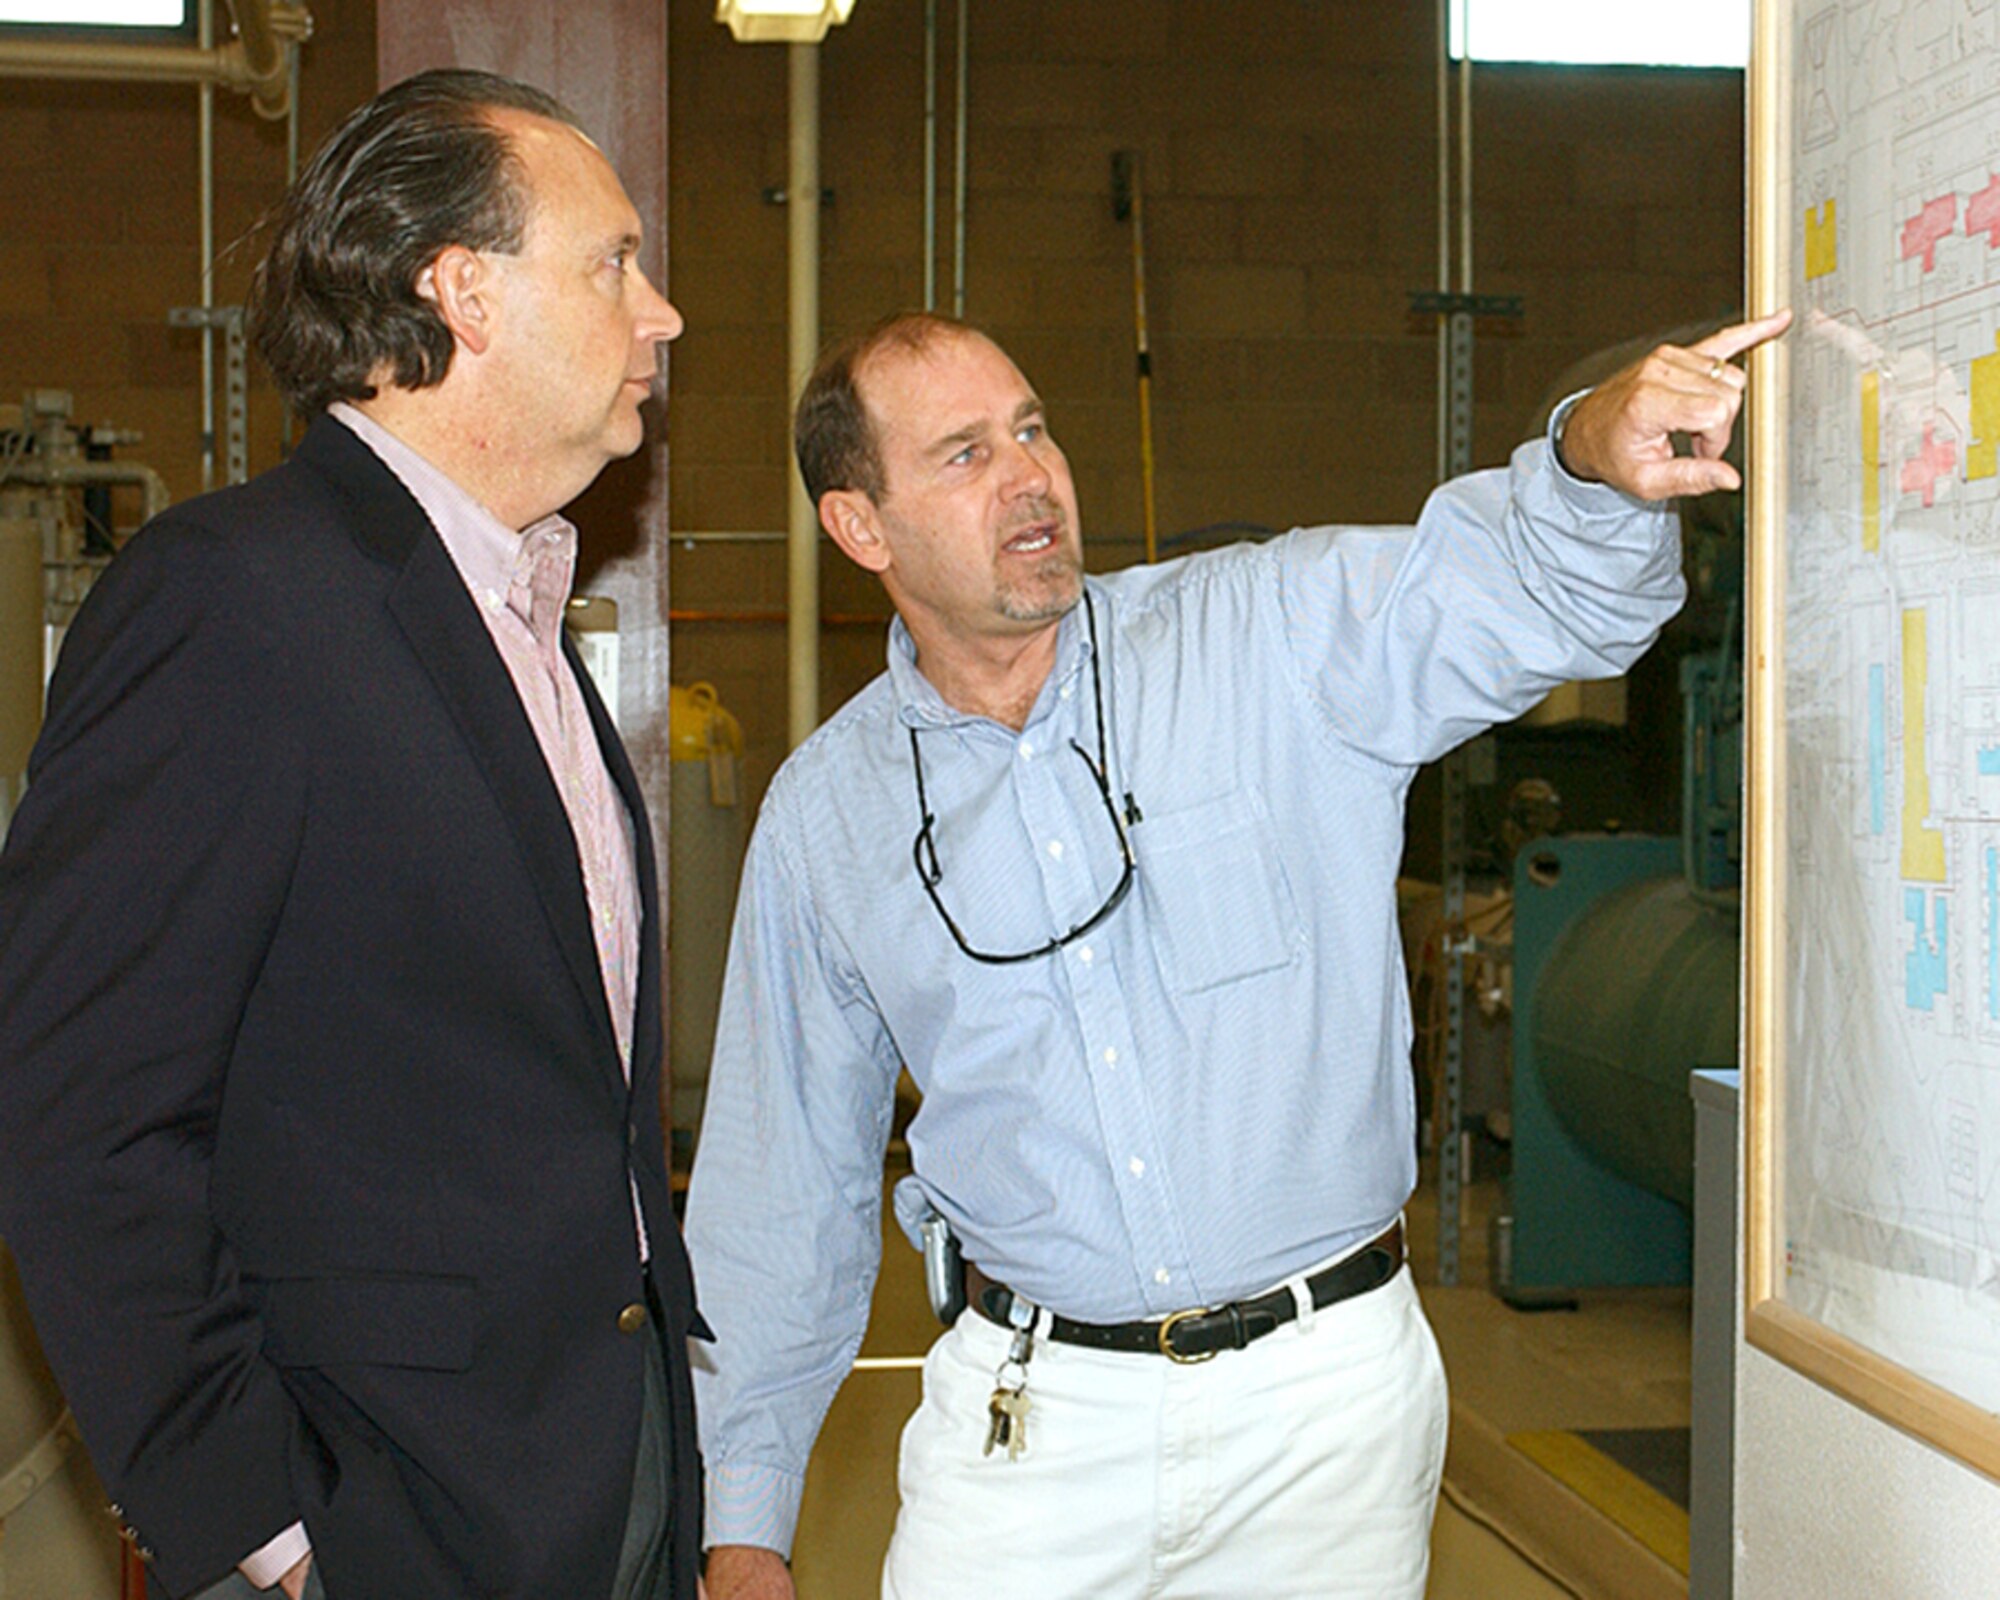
(1924, 968)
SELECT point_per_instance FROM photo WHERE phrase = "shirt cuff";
(751, 1504)
(263, 1567)
(1586, 496)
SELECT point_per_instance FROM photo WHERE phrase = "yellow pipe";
(802, 187)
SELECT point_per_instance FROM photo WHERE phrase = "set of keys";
(1010, 1405)
(1009, 1431)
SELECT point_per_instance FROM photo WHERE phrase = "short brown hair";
(419, 168)
(831, 431)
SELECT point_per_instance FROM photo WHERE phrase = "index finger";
(1733, 341)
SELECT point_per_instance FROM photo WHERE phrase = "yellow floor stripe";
(1627, 1499)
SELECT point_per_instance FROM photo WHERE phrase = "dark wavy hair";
(422, 166)
(834, 440)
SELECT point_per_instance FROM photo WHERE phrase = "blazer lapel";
(436, 613)
(647, 1040)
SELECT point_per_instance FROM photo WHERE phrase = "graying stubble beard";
(1014, 599)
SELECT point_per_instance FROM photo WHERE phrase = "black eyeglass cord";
(1133, 815)
(931, 872)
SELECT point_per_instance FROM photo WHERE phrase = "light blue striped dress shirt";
(1209, 1091)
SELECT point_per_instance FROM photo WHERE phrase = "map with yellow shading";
(1891, 691)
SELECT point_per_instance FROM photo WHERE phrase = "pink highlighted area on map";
(1937, 459)
(1921, 233)
(1982, 213)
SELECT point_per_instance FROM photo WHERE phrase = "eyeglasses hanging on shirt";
(930, 871)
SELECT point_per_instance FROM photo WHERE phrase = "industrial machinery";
(1624, 981)
(57, 532)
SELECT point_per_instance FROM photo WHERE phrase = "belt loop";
(1302, 1300)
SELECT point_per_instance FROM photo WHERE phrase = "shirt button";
(1027, 751)
(1085, 954)
(1055, 849)
(1068, 689)
(632, 1318)
(1162, 1276)
(1136, 1167)
(1111, 1055)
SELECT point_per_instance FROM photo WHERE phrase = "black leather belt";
(1198, 1333)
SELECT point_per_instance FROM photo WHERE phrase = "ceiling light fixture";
(781, 21)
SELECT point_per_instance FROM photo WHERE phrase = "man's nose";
(659, 320)
(1027, 472)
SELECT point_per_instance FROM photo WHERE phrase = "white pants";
(1305, 1465)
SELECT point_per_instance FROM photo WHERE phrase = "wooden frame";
(1871, 1378)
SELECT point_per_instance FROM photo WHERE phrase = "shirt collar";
(918, 703)
(487, 553)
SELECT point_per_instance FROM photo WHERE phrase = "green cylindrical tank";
(1638, 992)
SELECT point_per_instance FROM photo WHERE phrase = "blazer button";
(632, 1318)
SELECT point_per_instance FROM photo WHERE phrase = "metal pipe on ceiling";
(253, 63)
(90, 474)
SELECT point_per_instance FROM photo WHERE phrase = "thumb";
(1685, 475)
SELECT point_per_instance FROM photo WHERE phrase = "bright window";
(97, 13)
(1691, 33)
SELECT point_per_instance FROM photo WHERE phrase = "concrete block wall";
(1288, 159)
(1288, 156)
(99, 186)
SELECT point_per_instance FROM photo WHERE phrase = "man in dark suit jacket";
(330, 1023)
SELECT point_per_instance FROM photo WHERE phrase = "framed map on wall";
(1873, 930)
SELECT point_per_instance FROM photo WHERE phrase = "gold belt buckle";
(1167, 1338)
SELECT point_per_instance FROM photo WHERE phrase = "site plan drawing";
(1888, 1212)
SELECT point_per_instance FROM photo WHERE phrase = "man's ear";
(852, 521)
(460, 284)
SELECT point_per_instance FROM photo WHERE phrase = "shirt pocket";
(1220, 907)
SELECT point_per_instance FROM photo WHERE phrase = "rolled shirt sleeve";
(1513, 580)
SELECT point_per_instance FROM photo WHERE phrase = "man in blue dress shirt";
(1109, 864)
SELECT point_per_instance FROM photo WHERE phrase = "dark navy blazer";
(314, 1138)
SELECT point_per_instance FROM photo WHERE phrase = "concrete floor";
(1505, 1529)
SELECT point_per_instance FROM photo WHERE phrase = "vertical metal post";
(205, 208)
(930, 155)
(958, 179)
(236, 396)
(802, 194)
(292, 113)
(1451, 1171)
(1457, 411)
(1444, 231)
